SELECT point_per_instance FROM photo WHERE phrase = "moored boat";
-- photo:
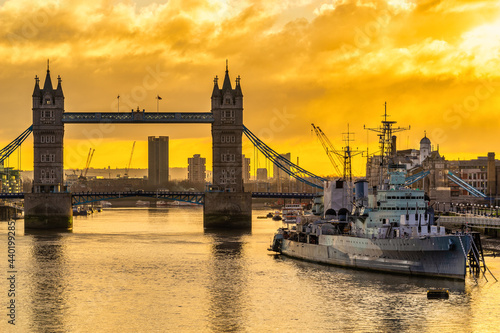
(291, 213)
(106, 204)
(180, 203)
(395, 232)
(142, 203)
(277, 216)
(161, 203)
(390, 229)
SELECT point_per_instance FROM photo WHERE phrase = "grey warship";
(395, 232)
(392, 229)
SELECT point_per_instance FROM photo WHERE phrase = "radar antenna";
(385, 133)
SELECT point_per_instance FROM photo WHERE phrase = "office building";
(279, 173)
(196, 168)
(158, 160)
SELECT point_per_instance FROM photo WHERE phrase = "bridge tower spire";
(46, 207)
(227, 131)
(228, 205)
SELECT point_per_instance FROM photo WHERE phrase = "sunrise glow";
(329, 62)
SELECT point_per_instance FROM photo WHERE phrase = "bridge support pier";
(227, 210)
(48, 211)
(7, 213)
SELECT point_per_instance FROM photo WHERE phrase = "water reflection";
(228, 281)
(382, 302)
(132, 270)
(48, 302)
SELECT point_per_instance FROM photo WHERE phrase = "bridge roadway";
(472, 220)
(81, 198)
(138, 117)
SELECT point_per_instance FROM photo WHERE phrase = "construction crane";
(331, 152)
(337, 158)
(83, 174)
(129, 161)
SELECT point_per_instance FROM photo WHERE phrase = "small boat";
(438, 293)
(181, 203)
(81, 211)
(141, 203)
(277, 216)
(291, 213)
(269, 215)
(161, 203)
(106, 204)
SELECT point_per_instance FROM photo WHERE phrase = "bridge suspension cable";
(469, 188)
(281, 162)
(16, 143)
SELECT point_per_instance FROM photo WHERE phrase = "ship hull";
(441, 256)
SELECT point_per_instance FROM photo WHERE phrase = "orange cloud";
(328, 62)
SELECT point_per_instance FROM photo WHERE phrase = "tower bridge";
(227, 206)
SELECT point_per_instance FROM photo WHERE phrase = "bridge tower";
(49, 205)
(226, 204)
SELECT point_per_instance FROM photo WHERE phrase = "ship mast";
(348, 155)
(385, 133)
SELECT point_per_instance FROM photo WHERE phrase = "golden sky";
(327, 62)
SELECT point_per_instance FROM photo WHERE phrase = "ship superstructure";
(397, 211)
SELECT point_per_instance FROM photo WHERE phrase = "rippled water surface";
(156, 270)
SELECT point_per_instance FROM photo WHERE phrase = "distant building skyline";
(278, 173)
(158, 172)
(261, 174)
(482, 173)
(197, 168)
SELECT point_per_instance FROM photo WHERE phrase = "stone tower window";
(47, 114)
(228, 114)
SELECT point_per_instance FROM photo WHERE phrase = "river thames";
(157, 270)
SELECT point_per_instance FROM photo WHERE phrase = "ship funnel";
(361, 189)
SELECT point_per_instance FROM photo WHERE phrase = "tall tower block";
(227, 205)
(48, 206)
